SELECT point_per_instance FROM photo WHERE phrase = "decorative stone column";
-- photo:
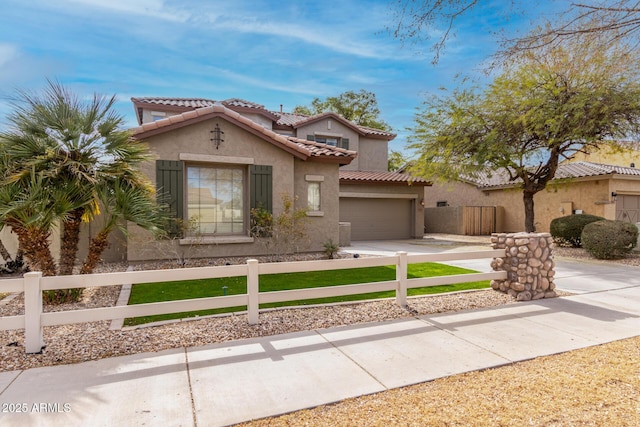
(529, 265)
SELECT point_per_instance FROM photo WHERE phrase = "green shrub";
(609, 239)
(261, 222)
(567, 230)
(331, 249)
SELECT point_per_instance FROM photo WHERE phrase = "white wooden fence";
(34, 283)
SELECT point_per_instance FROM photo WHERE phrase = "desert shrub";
(567, 230)
(261, 222)
(331, 249)
(609, 239)
(282, 234)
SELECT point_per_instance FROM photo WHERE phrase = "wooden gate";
(478, 220)
(628, 208)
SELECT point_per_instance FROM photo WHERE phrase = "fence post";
(33, 339)
(401, 277)
(253, 291)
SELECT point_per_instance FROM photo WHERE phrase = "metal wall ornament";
(217, 136)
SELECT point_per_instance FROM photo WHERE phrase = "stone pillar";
(529, 265)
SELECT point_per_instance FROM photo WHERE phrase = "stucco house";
(607, 190)
(215, 160)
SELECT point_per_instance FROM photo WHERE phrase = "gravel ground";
(91, 341)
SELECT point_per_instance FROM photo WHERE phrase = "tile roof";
(301, 148)
(176, 102)
(564, 171)
(317, 149)
(370, 177)
(281, 118)
(289, 119)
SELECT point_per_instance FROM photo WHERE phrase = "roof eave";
(180, 121)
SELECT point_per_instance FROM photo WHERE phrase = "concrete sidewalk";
(237, 381)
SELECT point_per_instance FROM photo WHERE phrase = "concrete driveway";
(576, 276)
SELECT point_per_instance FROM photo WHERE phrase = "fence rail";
(32, 284)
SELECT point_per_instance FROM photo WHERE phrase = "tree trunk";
(529, 224)
(35, 244)
(98, 244)
(70, 240)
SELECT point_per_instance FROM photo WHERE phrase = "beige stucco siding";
(591, 196)
(239, 145)
(322, 226)
(373, 155)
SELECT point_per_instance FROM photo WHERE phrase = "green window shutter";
(261, 187)
(169, 182)
(311, 137)
(344, 143)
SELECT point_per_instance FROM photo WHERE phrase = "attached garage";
(381, 205)
(378, 219)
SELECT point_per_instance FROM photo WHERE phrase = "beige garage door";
(377, 219)
(628, 208)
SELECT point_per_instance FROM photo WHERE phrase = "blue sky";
(269, 52)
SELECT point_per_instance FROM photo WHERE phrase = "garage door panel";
(377, 219)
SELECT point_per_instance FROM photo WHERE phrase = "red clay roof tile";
(285, 119)
(305, 148)
(367, 177)
(565, 171)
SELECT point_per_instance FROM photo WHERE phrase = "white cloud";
(151, 8)
(336, 41)
(18, 68)
(8, 52)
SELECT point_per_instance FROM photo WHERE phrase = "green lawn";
(188, 289)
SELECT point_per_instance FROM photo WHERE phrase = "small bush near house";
(567, 230)
(331, 249)
(261, 222)
(609, 239)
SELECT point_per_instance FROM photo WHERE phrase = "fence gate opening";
(478, 220)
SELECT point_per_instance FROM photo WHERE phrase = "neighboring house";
(217, 160)
(626, 154)
(610, 191)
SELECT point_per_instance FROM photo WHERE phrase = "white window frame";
(243, 208)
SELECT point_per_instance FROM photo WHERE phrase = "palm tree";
(72, 145)
(129, 200)
(30, 210)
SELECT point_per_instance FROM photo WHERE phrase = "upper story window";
(334, 141)
(158, 115)
(328, 140)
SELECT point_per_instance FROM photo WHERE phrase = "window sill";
(315, 213)
(220, 240)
